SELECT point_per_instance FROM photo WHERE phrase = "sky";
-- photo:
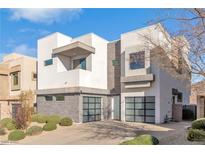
(21, 28)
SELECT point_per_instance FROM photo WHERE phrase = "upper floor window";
(48, 62)
(15, 81)
(137, 60)
(79, 63)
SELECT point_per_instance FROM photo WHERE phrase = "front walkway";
(110, 132)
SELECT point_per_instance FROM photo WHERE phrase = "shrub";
(49, 126)
(66, 121)
(142, 140)
(16, 135)
(42, 118)
(187, 114)
(11, 126)
(53, 119)
(199, 124)
(196, 135)
(2, 131)
(4, 121)
(24, 112)
(34, 130)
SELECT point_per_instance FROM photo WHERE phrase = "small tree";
(24, 112)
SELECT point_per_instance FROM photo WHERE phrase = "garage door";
(140, 109)
(91, 109)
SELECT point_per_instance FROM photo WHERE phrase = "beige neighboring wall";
(4, 84)
(26, 67)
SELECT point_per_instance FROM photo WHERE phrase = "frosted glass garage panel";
(150, 112)
(130, 118)
(139, 118)
(150, 119)
(139, 99)
(91, 99)
(130, 105)
(130, 112)
(150, 99)
(150, 105)
(129, 99)
(139, 105)
(139, 112)
(85, 112)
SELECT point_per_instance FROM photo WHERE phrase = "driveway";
(110, 132)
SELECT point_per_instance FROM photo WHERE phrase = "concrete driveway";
(110, 132)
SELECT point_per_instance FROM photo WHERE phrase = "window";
(48, 98)
(15, 81)
(34, 76)
(115, 63)
(137, 60)
(48, 62)
(179, 97)
(60, 98)
(79, 63)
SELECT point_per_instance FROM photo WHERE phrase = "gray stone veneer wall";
(69, 107)
(72, 106)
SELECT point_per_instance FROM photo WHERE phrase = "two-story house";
(17, 74)
(89, 78)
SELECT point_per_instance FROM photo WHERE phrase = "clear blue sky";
(20, 28)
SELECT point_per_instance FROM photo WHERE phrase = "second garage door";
(140, 109)
(91, 109)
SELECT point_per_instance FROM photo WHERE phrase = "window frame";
(48, 62)
(135, 57)
(47, 96)
(13, 75)
(62, 98)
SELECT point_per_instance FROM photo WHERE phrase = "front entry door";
(116, 107)
(15, 108)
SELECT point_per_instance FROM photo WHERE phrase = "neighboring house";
(89, 78)
(17, 73)
(198, 98)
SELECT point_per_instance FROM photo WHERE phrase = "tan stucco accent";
(25, 66)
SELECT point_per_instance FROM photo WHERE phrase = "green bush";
(39, 118)
(34, 130)
(2, 131)
(196, 135)
(53, 119)
(49, 126)
(42, 118)
(66, 121)
(199, 124)
(187, 114)
(11, 126)
(5, 121)
(142, 140)
(16, 135)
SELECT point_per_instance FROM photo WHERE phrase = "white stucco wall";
(161, 88)
(58, 76)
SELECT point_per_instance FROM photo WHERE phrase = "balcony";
(74, 49)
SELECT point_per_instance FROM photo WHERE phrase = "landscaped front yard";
(109, 132)
(13, 130)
